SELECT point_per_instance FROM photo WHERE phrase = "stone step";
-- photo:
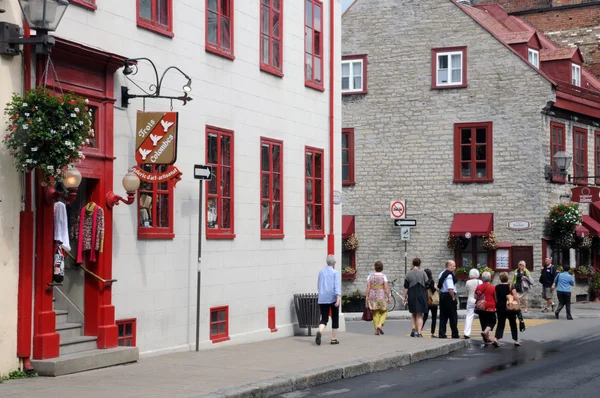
(61, 316)
(85, 360)
(69, 345)
(67, 329)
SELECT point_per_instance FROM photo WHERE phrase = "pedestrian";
(378, 296)
(448, 300)
(547, 279)
(416, 295)
(522, 282)
(330, 296)
(562, 284)
(503, 289)
(433, 306)
(485, 304)
(471, 285)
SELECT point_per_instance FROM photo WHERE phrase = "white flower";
(25, 127)
(25, 104)
(73, 115)
(87, 101)
(26, 114)
(51, 168)
(77, 110)
(53, 131)
(81, 122)
(39, 119)
(29, 161)
(87, 141)
(34, 149)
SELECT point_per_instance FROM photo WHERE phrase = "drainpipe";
(331, 237)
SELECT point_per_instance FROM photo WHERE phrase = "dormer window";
(534, 57)
(576, 75)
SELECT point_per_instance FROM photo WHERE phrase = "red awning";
(595, 211)
(582, 231)
(476, 224)
(347, 226)
(591, 225)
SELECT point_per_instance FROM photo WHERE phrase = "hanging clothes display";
(90, 233)
(61, 226)
(58, 274)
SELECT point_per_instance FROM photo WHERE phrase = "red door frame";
(89, 73)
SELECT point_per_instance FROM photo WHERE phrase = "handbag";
(521, 322)
(367, 314)
(480, 302)
(433, 299)
(512, 304)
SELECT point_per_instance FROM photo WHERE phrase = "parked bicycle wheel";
(392, 303)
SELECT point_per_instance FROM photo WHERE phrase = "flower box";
(349, 276)
(462, 277)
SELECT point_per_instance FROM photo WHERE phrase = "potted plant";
(46, 132)
(486, 269)
(595, 287)
(462, 273)
(583, 272)
(348, 272)
(353, 302)
(351, 243)
(562, 221)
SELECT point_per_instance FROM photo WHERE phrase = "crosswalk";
(476, 329)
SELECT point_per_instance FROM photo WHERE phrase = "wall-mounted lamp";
(562, 160)
(2, 6)
(131, 183)
(41, 15)
(71, 179)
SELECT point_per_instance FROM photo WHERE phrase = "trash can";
(307, 310)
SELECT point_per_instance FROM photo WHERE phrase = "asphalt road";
(556, 359)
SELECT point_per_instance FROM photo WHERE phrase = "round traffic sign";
(397, 209)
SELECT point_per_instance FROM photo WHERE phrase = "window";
(579, 155)
(219, 27)
(557, 144)
(474, 255)
(449, 67)
(126, 328)
(354, 74)
(156, 15)
(576, 75)
(155, 204)
(534, 57)
(219, 324)
(347, 156)
(219, 194)
(313, 42)
(313, 198)
(597, 156)
(271, 188)
(271, 38)
(473, 152)
(89, 4)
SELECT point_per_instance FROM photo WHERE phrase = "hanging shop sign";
(156, 138)
(173, 175)
(585, 194)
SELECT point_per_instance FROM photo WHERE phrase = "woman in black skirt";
(416, 295)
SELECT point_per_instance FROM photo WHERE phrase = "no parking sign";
(397, 209)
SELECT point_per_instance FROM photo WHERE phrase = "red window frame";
(269, 197)
(312, 229)
(317, 38)
(363, 58)
(152, 24)
(458, 145)
(597, 157)
(349, 151)
(217, 48)
(219, 337)
(125, 337)
(89, 4)
(434, 57)
(580, 155)
(154, 231)
(490, 261)
(558, 143)
(218, 167)
(271, 36)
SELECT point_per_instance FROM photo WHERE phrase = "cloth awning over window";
(595, 211)
(347, 226)
(476, 224)
(592, 226)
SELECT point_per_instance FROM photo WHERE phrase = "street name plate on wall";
(156, 138)
(519, 225)
(502, 259)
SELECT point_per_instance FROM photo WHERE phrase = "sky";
(345, 4)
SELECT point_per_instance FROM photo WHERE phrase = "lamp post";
(131, 183)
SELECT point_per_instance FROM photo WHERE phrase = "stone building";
(457, 110)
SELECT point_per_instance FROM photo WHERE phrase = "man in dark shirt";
(547, 279)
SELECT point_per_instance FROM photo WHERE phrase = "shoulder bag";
(367, 314)
(433, 299)
(512, 304)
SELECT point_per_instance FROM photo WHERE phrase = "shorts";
(335, 315)
(547, 293)
(522, 295)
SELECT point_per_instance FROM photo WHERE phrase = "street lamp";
(41, 15)
(131, 183)
(71, 179)
(562, 161)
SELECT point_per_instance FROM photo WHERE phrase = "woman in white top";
(472, 284)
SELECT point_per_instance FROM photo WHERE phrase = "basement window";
(126, 332)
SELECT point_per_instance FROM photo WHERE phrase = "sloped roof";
(517, 37)
(557, 53)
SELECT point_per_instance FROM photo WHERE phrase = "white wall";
(10, 202)
(157, 279)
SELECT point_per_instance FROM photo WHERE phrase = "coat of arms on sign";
(156, 138)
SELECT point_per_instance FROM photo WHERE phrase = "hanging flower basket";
(562, 221)
(583, 243)
(457, 243)
(351, 243)
(490, 242)
(47, 132)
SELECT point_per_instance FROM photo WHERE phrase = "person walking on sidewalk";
(522, 282)
(471, 285)
(547, 279)
(446, 284)
(485, 302)
(330, 296)
(416, 295)
(503, 289)
(562, 284)
(433, 307)
(378, 296)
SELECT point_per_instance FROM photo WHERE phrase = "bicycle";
(392, 304)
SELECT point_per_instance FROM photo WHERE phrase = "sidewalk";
(580, 310)
(260, 369)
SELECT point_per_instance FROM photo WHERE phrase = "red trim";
(557, 144)
(316, 230)
(477, 224)
(219, 337)
(220, 232)
(316, 46)
(597, 156)
(364, 59)
(332, 66)
(272, 324)
(458, 145)
(434, 54)
(217, 48)
(153, 24)
(580, 150)
(125, 337)
(270, 67)
(89, 4)
(154, 231)
(349, 132)
(269, 197)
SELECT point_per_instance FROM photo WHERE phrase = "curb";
(315, 377)
(402, 315)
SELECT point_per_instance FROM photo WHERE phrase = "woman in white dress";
(472, 284)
